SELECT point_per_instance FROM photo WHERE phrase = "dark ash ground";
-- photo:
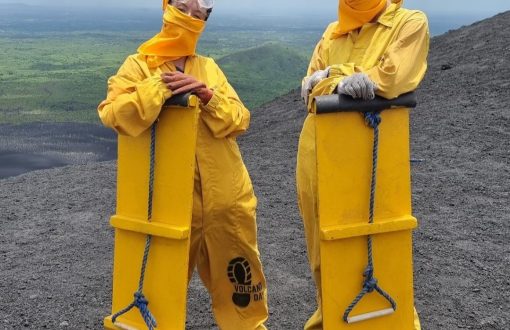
(56, 245)
(28, 147)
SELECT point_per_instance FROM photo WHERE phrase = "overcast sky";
(293, 6)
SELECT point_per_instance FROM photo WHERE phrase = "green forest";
(59, 74)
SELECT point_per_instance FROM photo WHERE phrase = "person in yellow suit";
(375, 47)
(224, 233)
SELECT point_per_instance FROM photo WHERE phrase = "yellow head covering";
(178, 37)
(353, 14)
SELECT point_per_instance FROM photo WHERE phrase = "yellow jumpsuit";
(224, 233)
(393, 52)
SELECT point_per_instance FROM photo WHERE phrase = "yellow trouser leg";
(307, 190)
(224, 250)
(306, 180)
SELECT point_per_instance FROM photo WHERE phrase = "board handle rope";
(371, 110)
(373, 119)
(140, 301)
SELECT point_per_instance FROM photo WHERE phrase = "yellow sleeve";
(320, 61)
(404, 64)
(225, 114)
(134, 101)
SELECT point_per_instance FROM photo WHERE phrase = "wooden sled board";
(344, 163)
(166, 278)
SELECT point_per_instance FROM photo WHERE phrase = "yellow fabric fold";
(353, 14)
(178, 38)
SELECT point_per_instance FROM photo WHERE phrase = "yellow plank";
(363, 229)
(150, 228)
(343, 263)
(122, 324)
(344, 147)
(344, 163)
(166, 276)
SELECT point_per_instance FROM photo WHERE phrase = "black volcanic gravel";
(36, 146)
(56, 245)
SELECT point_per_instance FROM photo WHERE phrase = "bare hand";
(179, 83)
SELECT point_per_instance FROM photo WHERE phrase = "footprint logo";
(239, 273)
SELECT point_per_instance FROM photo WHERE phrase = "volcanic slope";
(56, 245)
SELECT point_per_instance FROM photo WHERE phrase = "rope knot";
(140, 300)
(369, 272)
(373, 119)
(142, 304)
(370, 284)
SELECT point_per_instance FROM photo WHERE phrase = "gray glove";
(310, 82)
(359, 86)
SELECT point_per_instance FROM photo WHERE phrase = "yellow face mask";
(353, 14)
(178, 38)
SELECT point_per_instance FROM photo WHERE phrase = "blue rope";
(372, 119)
(140, 301)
